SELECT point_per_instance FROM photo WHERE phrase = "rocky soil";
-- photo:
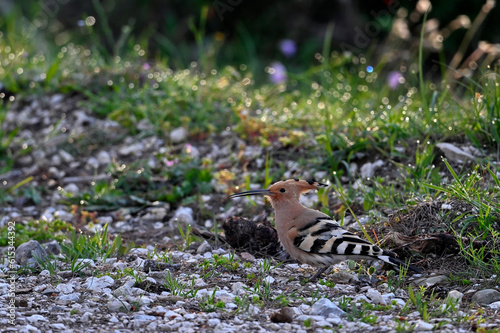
(174, 284)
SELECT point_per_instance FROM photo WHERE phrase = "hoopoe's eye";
(282, 190)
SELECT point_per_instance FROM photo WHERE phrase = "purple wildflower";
(394, 79)
(277, 73)
(171, 163)
(288, 47)
(146, 66)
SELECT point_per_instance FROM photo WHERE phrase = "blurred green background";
(235, 32)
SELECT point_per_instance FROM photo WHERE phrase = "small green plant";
(403, 326)
(50, 264)
(283, 300)
(459, 280)
(243, 302)
(218, 261)
(77, 266)
(266, 266)
(344, 303)
(177, 288)
(93, 247)
(186, 236)
(133, 273)
(329, 284)
(395, 282)
(262, 289)
(417, 299)
(308, 322)
(210, 304)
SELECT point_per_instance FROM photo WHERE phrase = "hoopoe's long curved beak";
(253, 192)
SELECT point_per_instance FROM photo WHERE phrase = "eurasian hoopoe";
(311, 236)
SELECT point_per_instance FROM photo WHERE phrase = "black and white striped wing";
(324, 240)
(324, 236)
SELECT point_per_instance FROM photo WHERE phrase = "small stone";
(268, 279)
(400, 149)
(343, 277)
(209, 224)
(430, 281)
(28, 253)
(102, 220)
(104, 158)
(285, 315)
(169, 315)
(323, 323)
(52, 247)
(486, 296)
(97, 284)
(56, 99)
(398, 302)
(135, 149)
(231, 306)
(63, 215)
(335, 320)
(324, 307)
(179, 134)
(58, 326)
(36, 318)
(144, 317)
(224, 296)
(116, 305)
(375, 296)
(124, 290)
(155, 214)
(31, 328)
(446, 206)
(64, 288)
(368, 169)
(54, 172)
(86, 317)
(423, 326)
(65, 156)
(247, 256)
(152, 327)
(74, 297)
(204, 247)
(453, 153)
(92, 163)
(71, 188)
(183, 214)
(213, 322)
(237, 287)
(456, 296)
(494, 305)
(388, 297)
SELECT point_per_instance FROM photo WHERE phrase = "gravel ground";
(211, 289)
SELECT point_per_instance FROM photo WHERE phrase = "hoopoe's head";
(285, 190)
